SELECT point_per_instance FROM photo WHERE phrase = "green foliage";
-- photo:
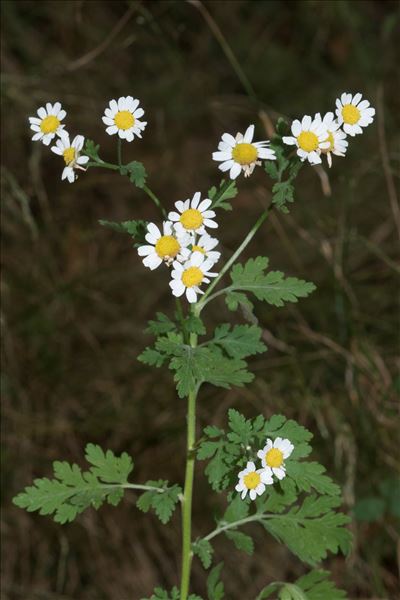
(311, 529)
(309, 526)
(272, 287)
(204, 550)
(215, 587)
(136, 229)
(241, 540)
(161, 325)
(73, 490)
(282, 191)
(162, 503)
(136, 173)
(239, 342)
(313, 586)
(220, 197)
(92, 150)
(195, 366)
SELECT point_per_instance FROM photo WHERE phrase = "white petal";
(253, 494)
(279, 472)
(356, 99)
(108, 121)
(177, 290)
(296, 127)
(112, 130)
(37, 136)
(363, 105)
(260, 489)
(152, 261)
(82, 160)
(138, 113)
(42, 112)
(235, 170)
(306, 122)
(248, 136)
(228, 139)
(226, 165)
(221, 156)
(173, 216)
(191, 295)
(210, 223)
(290, 141)
(145, 250)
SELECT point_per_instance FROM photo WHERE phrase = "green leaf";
(312, 529)
(161, 325)
(282, 194)
(204, 550)
(73, 490)
(241, 428)
(163, 503)
(137, 173)
(267, 591)
(308, 475)
(227, 190)
(92, 150)
(271, 169)
(241, 540)
(194, 324)
(152, 357)
(317, 586)
(236, 511)
(215, 587)
(136, 229)
(240, 342)
(271, 287)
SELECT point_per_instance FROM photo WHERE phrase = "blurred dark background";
(76, 297)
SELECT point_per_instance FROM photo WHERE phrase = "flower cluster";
(316, 136)
(273, 457)
(185, 244)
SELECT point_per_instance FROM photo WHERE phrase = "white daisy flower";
(273, 456)
(241, 153)
(193, 215)
(48, 122)
(253, 481)
(205, 244)
(336, 137)
(123, 116)
(310, 137)
(163, 247)
(189, 276)
(70, 153)
(353, 113)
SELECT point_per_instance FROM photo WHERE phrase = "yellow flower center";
(191, 219)
(167, 246)
(192, 276)
(198, 249)
(124, 119)
(69, 155)
(350, 114)
(331, 141)
(251, 480)
(307, 141)
(49, 124)
(274, 458)
(244, 154)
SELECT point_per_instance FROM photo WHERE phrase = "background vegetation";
(76, 297)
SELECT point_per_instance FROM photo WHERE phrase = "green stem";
(102, 164)
(155, 200)
(119, 152)
(235, 255)
(188, 489)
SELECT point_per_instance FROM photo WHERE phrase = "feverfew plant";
(260, 465)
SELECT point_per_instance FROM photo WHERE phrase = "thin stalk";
(102, 164)
(119, 152)
(188, 489)
(235, 255)
(156, 201)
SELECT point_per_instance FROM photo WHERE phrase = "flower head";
(204, 244)
(354, 113)
(253, 481)
(336, 137)
(48, 122)
(70, 153)
(273, 456)
(241, 153)
(123, 116)
(163, 247)
(189, 276)
(310, 137)
(193, 215)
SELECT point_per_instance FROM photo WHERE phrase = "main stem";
(188, 489)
